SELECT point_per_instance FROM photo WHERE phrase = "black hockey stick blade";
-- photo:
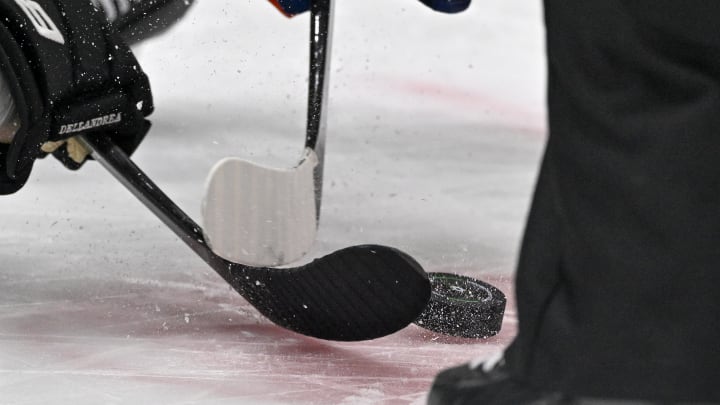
(358, 293)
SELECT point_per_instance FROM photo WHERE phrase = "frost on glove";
(67, 75)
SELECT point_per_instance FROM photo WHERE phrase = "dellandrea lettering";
(90, 124)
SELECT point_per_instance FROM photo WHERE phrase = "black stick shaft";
(320, 45)
(116, 161)
(321, 16)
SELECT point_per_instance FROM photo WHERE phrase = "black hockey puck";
(462, 306)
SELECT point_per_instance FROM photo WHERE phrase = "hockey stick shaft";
(116, 161)
(320, 45)
(321, 25)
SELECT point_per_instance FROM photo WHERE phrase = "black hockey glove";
(67, 75)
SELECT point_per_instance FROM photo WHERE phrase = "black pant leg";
(619, 274)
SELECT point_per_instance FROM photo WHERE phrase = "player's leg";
(617, 279)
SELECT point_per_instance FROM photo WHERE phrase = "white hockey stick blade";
(258, 215)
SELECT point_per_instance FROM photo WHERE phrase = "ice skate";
(491, 383)
(487, 383)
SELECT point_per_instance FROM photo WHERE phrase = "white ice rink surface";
(436, 127)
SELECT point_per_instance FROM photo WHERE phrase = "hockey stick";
(357, 293)
(267, 216)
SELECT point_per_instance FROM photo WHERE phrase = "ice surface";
(435, 131)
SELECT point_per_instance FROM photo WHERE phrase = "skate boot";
(490, 383)
(487, 383)
(137, 20)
